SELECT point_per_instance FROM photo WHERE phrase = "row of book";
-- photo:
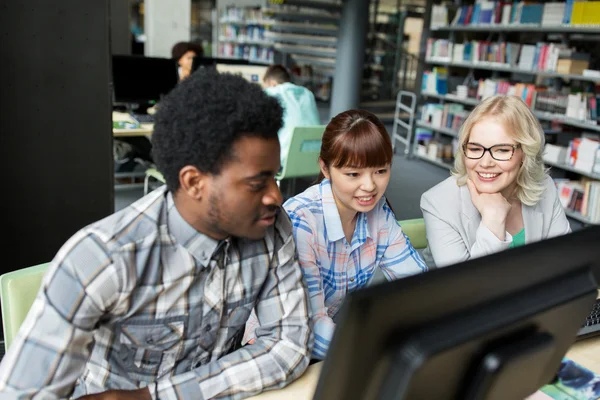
(582, 196)
(435, 81)
(237, 14)
(450, 116)
(551, 57)
(246, 52)
(580, 106)
(490, 87)
(242, 33)
(502, 12)
(429, 146)
(582, 154)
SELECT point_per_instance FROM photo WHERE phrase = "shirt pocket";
(233, 323)
(149, 349)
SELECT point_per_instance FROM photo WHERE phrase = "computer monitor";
(202, 61)
(142, 80)
(252, 73)
(491, 328)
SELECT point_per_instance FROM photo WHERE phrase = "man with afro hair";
(151, 301)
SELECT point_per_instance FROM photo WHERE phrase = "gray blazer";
(455, 232)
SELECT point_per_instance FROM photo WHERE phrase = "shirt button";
(207, 328)
(351, 279)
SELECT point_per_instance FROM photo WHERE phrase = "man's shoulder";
(136, 222)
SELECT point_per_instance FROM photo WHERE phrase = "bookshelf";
(301, 34)
(518, 28)
(543, 52)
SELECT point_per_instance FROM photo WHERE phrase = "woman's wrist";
(496, 225)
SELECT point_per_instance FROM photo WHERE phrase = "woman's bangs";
(362, 147)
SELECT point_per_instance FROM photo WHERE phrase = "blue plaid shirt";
(333, 267)
(141, 299)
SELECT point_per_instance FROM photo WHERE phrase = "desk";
(144, 130)
(584, 352)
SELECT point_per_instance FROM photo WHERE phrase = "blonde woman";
(499, 194)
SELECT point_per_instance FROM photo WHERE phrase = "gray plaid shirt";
(141, 299)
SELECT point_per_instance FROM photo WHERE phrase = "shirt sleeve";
(53, 344)
(323, 325)
(283, 342)
(400, 259)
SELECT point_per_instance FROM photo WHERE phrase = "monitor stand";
(502, 365)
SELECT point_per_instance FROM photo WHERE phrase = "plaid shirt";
(141, 299)
(333, 267)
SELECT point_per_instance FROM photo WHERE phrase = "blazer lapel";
(470, 215)
(533, 221)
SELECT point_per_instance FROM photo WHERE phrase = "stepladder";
(404, 119)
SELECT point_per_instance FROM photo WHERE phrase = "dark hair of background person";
(278, 73)
(200, 120)
(357, 139)
(179, 49)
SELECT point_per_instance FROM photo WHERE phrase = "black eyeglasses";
(499, 152)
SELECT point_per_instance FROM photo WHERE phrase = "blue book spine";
(568, 11)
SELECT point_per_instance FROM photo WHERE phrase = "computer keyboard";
(591, 326)
(143, 118)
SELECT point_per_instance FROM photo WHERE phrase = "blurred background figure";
(183, 53)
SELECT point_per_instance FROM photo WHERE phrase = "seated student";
(183, 53)
(148, 302)
(344, 226)
(499, 194)
(299, 106)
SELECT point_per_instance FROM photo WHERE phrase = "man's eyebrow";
(260, 175)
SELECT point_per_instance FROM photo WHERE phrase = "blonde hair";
(524, 128)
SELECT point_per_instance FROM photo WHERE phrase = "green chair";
(155, 174)
(415, 230)
(18, 290)
(303, 156)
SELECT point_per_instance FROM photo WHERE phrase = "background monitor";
(142, 80)
(494, 328)
(202, 61)
(252, 73)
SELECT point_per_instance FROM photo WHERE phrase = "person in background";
(344, 227)
(151, 301)
(299, 106)
(183, 53)
(499, 195)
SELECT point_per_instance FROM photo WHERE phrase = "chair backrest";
(18, 290)
(303, 156)
(156, 174)
(415, 230)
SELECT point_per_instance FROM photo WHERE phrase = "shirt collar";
(333, 222)
(200, 246)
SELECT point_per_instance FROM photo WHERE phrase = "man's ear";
(193, 182)
(324, 168)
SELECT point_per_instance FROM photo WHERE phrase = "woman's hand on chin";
(494, 209)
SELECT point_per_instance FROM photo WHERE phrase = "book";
(573, 382)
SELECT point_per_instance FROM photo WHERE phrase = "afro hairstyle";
(200, 120)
